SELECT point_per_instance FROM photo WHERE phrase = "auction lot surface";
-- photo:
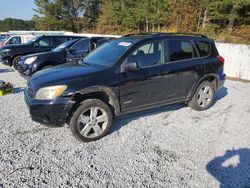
(172, 146)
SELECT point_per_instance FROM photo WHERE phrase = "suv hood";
(14, 46)
(63, 74)
(38, 54)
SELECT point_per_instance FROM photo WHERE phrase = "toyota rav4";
(133, 73)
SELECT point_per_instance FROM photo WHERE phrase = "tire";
(84, 121)
(15, 62)
(203, 99)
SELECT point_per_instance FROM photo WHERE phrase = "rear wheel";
(15, 62)
(203, 97)
(91, 121)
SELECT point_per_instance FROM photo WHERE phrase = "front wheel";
(203, 97)
(91, 121)
(15, 62)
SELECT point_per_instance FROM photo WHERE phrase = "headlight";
(49, 93)
(30, 60)
(5, 51)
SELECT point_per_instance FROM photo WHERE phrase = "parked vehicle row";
(70, 51)
(11, 54)
(126, 75)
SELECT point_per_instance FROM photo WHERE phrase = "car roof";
(143, 36)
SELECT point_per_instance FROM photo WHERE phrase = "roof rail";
(179, 33)
(159, 34)
(131, 34)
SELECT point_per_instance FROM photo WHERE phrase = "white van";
(17, 39)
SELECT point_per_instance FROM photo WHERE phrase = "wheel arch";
(211, 77)
(14, 56)
(103, 93)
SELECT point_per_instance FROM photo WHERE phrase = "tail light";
(220, 59)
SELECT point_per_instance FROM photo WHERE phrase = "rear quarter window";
(203, 48)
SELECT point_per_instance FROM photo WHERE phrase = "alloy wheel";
(92, 122)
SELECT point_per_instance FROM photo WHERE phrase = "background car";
(17, 39)
(10, 55)
(70, 51)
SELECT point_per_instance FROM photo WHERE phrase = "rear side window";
(203, 48)
(56, 41)
(180, 50)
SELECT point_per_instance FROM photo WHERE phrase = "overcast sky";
(22, 9)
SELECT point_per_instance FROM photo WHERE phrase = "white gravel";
(167, 147)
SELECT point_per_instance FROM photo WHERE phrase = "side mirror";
(130, 66)
(35, 45)
(73, 51)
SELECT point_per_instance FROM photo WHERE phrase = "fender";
(113, 100)
(40, 65)
(198, 82)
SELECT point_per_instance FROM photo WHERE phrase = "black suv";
(70, 51)
(10, 55)
(133, 73)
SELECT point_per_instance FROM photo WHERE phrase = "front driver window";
(44, 42)
(15, 40)
(81, 46)
(148, 54)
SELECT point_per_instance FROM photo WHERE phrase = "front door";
(147, 85)
(44, 44)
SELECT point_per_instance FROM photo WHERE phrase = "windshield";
(108, 53)
(63, 46)
(3, 39)
(33, 40)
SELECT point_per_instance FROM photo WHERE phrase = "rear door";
(184, 68)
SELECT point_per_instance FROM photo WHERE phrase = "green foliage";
(71, 15)
(16, 24)
(222, 19)
(230, 13)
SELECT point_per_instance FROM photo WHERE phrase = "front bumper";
(25, 69)
(49, 112)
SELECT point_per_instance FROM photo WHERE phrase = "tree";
(16, 24)
(225, 13)
(58, 14)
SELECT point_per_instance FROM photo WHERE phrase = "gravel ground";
(172, 146)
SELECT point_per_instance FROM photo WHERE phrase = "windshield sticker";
(124, 44)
